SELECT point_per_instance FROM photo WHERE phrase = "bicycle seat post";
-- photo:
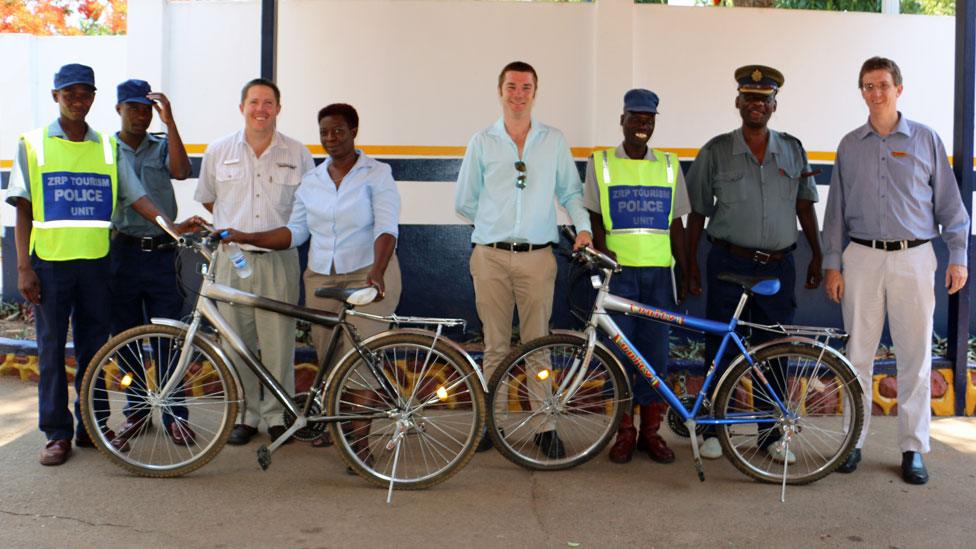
(740, 307)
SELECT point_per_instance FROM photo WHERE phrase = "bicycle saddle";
(755, 284)
(351, 296)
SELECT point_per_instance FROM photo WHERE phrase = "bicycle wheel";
(821, 425)
(414, 415)
(526, 412)
(142, 433)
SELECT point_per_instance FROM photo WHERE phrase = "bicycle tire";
(437, 413)
(118, 388)
(822, 394)
(585, 424)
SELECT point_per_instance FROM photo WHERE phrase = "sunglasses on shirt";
(520, 179)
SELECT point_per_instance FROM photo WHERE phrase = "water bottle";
(237, 258)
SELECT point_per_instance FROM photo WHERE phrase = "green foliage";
(929, 7)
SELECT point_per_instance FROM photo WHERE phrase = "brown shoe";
(622, 450)
(130, 428)
(180, 433)
(55, 452)
(648, 440)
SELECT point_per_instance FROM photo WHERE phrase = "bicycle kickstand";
(699, 466)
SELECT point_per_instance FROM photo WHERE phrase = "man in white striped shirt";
(248, 181)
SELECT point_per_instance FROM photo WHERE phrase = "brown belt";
(518, 246)
(759, 256)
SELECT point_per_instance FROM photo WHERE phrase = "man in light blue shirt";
(510, 174)
(890, 190)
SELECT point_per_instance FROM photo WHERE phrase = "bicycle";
(788, 410)
(405, 407)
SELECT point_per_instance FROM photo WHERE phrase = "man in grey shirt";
(891, 189)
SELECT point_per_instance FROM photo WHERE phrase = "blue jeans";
(76, 289)
(650, 286)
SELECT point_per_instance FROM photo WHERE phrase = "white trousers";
(899, 284)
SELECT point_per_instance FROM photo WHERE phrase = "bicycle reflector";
(442, 393)
(543, 374)
(126, 381)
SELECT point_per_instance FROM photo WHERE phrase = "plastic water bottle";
(237, 258)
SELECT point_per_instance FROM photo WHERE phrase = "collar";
(55, 130)
(903, 127)
(498, 128)
(150, 138)
(275, 140)
(739, 145)
(362, 161)
(620, 152)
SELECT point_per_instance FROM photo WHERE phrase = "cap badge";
(757, 75)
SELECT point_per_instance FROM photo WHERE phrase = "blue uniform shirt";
(898, 187)
(487, 195)
(151, 162)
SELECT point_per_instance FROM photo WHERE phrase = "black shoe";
(241, 434)
(850, 464)
(275, 431)
(550, 445)
(485, 443)
(913, 468)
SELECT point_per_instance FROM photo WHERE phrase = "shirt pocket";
(729, 188)
(284, 180)
(786, 183)
(229, 173)
(154, 171)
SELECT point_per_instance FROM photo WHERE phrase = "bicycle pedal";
(264, 457)
(700, 468)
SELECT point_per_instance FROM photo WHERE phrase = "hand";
(814, 273)
(583, 238)
(956, 276)
(834, 285)
(693, 278)
(682, 288)
(29, 285)
(375, 278)
(162, 106)
(233, 235)
(190, 225)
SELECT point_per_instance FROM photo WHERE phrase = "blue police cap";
(758, 79)
(72, 74)
(640, 100)
(134, 91)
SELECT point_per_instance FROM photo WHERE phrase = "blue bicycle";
(787, 411)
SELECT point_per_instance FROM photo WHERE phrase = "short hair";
(879, 64)
(261, 82)
(344, 110)
(518, 66)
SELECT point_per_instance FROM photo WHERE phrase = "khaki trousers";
(270, 336)
(355, 279)
(505, 281)
(899, 285)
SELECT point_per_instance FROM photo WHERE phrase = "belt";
(889, 245)
(518, 246)
(146, 243)
(759, 256)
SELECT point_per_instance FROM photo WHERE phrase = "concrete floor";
(306, 500)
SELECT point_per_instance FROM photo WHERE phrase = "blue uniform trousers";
(78, 289)
(723, 297)
(144, 286)
(650, 286)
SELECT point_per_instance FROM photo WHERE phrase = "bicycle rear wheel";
(526, 412)
(414, 417)
(821, 425)
(139, 431)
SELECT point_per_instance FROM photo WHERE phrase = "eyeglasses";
(520, 179)
(884, 87)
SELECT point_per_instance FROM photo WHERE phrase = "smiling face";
(880, 92)
(638, 128)
(75, 101)
(755, 109)
(517, 94)
(260, 109)
(338, 139)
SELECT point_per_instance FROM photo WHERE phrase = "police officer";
(753, 184)
(66, 182)
(636, 197)
(142, 254)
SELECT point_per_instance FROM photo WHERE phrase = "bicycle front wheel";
(412, 415)
(138, 430)
(535, 425)
(814, 431)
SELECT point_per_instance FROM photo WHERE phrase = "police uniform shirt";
(750, 205)
(591, 190)
(151, 162)
(129, 187)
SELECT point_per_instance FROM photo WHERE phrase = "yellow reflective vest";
(74, 187)
(637, 201)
